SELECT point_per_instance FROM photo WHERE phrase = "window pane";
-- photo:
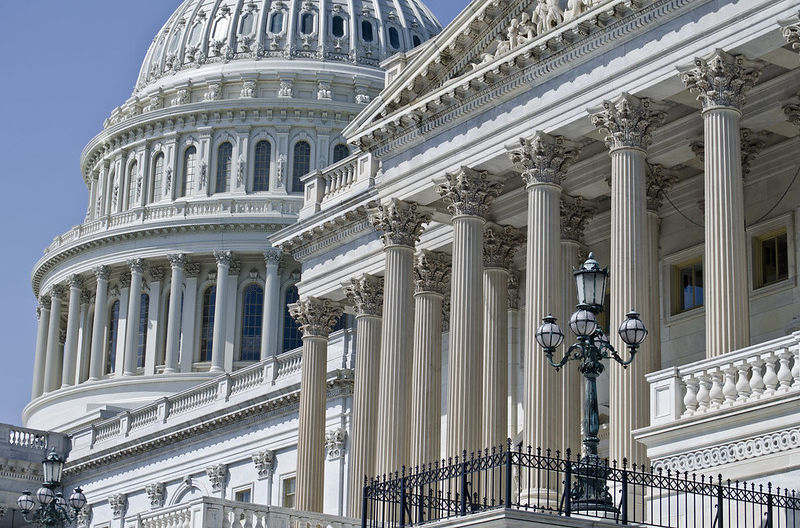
(340, 152)
(189, 161)
(158, 178)
(243, 496)
(247, 24)
(196, 34)
(276, 24)
(337, 27)
(690, 279)
(261, 170)
(224, 158)
(782, 256)
(291, 330)
(144, 316)
(366, 31)
(301, 164)
(132, 176)
(307, 24)
(394, 38)
(415, 39)
(221, 29)
(113, 331)
(252, 312)
(207, 328)
(289, 492)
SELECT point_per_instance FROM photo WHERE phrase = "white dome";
(210, 33)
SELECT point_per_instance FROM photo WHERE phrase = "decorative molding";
(218, 475)
(156, 494)
(118, 504)
(544, 158)
(316, 317)
(792, 35)
(157, 273)
(500, 244)
(400, 222)
(265, 463)
(659, 180)
(468, 192)
(574, 213)
(335, 443)
(792, 108)
(432, 272)
(83, 517)
(628, 121)
(721, 79)
(366, 295)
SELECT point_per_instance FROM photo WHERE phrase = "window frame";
(184, 191)
(111, 345)
(669, 262)
(337, 146)
(248, 488)
(344, 25)
(157, 180)
(270, 22)
(300, 139)
(198, 355)
(218, 157)
(284, 479)
(677, 294)
(268, 175)
(392, 30)
(762, 230)
(241, 319)
(361, 31)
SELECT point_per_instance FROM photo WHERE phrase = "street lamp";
(54, 509)
(591, 349)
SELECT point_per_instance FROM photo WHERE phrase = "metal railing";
(547, 483)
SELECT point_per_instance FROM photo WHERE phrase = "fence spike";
(569, 454)
(769, 487)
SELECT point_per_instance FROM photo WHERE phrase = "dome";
(213, 33)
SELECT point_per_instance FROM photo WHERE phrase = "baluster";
(742, 383)
(729, 387)
(715, 394)
(690, 399)
(327, 185)
(703, 399)
(756, 378)
(770, 374)
(260, 520)
(785, 372)
(227, 512)
(796, 367)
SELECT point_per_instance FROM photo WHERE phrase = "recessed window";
(221, 29)
(394, 38)
(366, 31)
(261, 168)
(244, 495)
(246, 27)
(291, 330)
(301, 164)
(224, 161)
(158, 178)
(340, 152)
(306, 23)
(133, 172)
(144, 318)
(288, 492)
(416, 40)
(207, 326)
(113, 334)
(252, 313)
(175, 42)
(687, 286)
(770, 258)
(196, 34)
(276, 23)
(337, 26)
(189, 162)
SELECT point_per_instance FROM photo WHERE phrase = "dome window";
(196, 35)
(394, 38)
(276, 23)
(366, 31)
(306, 23)
(221, 29)
(340, 152)
(261, 171)
(301, 164)
(175, 42)
(224, 166)
(189, 162)
(248, 22)
(416, 40)
(337, 26)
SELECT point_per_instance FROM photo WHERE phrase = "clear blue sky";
(69, 63)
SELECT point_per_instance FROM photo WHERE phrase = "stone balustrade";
(335, 184)
(752, 374)
(37, 443)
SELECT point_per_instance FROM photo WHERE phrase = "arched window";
(394, 38)
(416, 40)
(337, 26)
(189, 162)
(366, 31)
(113, 189)
(301, 164)
(252, 312)
(144, 319)
(276, 23)
(111, 342)
(158, 177)
(340, 152)
(261, 167)
(292, 338)
(207, 323)
(224, 160)
(306, 23)
(133, 171)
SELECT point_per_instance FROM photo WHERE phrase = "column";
(230, 324)
(366, 294)
(43, 315)
(84, 340)
(627, 123)
(186, 356)
(500, 244)
(272, 303)
(574, 215)
(224, 259)
(432, 274)
(73, 325)
(176, 263)
(316, 317)
(134, 314)
(544, 161)
(515, 366)
(401, 224)
(53, 357)
(720, 82)
(99, 324)
(468, 194)
(154, 320)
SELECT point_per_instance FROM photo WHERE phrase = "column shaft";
(220, 312)
(99, 324)
(43, 313)
(311, 429)
(495, 357)
(53, 358)
(177, 263)
(653, 317)
(272, 294)
(68, 373)
(133, 319)
(570, 377)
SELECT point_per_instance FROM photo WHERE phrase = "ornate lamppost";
(54, 509)
(592, 348)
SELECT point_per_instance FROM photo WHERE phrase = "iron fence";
(545, 482)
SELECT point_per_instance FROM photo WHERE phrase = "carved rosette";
(101, 272)
(574, 215)
(334, 443)
(223, 258)
(513, 289)
(468, 192)
(432, 272)
(264, 461)
(316, 317)
(118, 504)
(544, 158)
(500, 244)
(218, 475)
(366, 294)
(721, 79)
(177, 261)
(659, 180)
(156, 493)
(400, 222)
(628, 121)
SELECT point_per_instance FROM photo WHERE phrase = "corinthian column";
(134, 315)
(53, 359)
(43, 315)
(100, 320)
(468, 194)
(720, 82)
(499, 246)
(272, 300)
(432, 273)
(316, 317)
(73, 325)
(574, 215)
(177, 264)
(544, 161)
(628, 122)
(366, 294)
(224, 259)
(401, 224)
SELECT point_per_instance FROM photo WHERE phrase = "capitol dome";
(170, 279)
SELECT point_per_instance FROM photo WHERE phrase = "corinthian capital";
(136, 265)
(469, 192)
(721, 79)
(628, 121)
(400, 222)
(574, 215)
(659, 180)
(74, 281)
(57, 292)
(177, 261)
(500, 243)
(101, 272)
(316, 317)
(366, 294)
(792, 110)
(432, 271)
(223, 258)
(273, 256)
(544, 158)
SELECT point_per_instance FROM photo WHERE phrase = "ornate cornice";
(544, 158)
(721, 79)
(628, 121)
(342, 227)
(659, 180)
(400, 222)
(469, 192)
(366, 295)
(316, 317)
(574, 214)
(432, 272)
(500, 244)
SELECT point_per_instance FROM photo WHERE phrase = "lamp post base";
(590, 492)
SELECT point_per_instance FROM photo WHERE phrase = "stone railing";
(206, 512)
(752, 374)
(338, 182)
(20, 439)
(161, 212)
